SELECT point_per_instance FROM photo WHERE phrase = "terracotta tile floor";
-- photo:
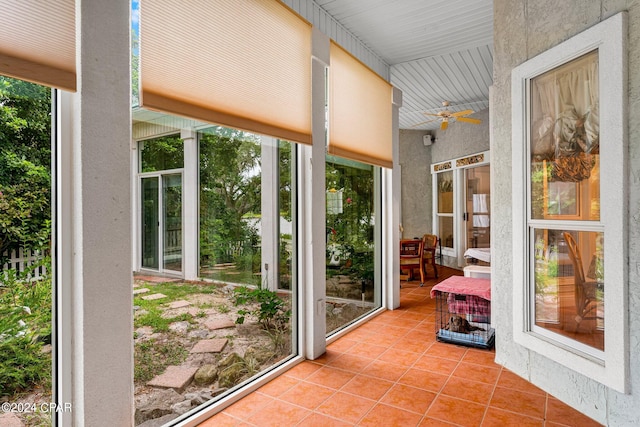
(391, 372)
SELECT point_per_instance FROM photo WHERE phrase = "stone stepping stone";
(153, 297)
(175, 377)
(209, 346)
(215, 324)
(140, 291)
(179, 304)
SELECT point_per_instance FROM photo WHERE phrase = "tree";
(135, 69)
(229, 189)
(284, 160)
(25, 164)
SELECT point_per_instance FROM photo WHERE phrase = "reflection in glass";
(478, 203)
(565, 142)
(352, 287)
(230, 205)
(445, 192)
(445, 227)
(163, 153)
(569, 284)
(445, 208)
(172, 221)
(149, 214)
(286, 205)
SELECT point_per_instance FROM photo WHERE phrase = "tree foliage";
(354, 225)
(25, 164)
(162, 153)
(229, 189)
(285, 160)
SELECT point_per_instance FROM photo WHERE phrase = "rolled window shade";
(245, 64)
(37, 42)
(360, 107)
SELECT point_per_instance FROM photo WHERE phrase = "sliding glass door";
(161, 222)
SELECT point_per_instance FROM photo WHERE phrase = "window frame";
(611, 366)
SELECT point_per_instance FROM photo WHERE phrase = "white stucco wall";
(415, 163)
(522, 30)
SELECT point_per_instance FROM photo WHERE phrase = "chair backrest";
(410, 247)
(430, 241)
(576, 258)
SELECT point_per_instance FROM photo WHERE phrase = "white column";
(190, 211)
(270, 218)
(313, 208)
(391, 214)
(93, 230)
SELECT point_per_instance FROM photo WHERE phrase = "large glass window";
(353, 285)
(230, 205)
(445, 208)
(216, 224)
(568, 280)
(161, 216)
(26, 292)
(162, 153)
(286, 208)
(569, 204)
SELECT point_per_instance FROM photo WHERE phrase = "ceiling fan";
(445, 116)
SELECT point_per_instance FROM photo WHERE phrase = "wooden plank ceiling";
(437, 50)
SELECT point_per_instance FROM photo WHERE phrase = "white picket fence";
(21, 259)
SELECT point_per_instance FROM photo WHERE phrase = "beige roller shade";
(37, 42)
(239, 63)
(359, 111)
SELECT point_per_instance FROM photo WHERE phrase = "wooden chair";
(584, 292)
(429, 245)
(411, 257)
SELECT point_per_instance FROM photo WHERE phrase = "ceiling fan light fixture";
(446, 114)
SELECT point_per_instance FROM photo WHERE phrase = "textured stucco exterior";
(523, 29)
(415, 164)
(459, 140)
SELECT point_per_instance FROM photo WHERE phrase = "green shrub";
(22, 365)
(25, 325)
(269, 309)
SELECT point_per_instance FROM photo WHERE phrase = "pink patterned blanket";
(464, 285)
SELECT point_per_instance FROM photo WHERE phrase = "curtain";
(565, 119)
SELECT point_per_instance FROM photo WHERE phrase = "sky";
(135, 16)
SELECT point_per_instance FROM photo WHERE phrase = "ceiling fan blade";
(444, 125)
(422, 123)
(431, 114)
(462, 113)
(469, 120)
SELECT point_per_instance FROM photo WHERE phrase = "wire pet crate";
(464, 319)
